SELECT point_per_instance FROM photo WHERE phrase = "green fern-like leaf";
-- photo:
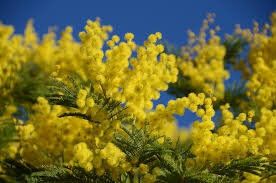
(234, 47)
(254, 164)
(65, 94)
(7, 132)
(20, 171)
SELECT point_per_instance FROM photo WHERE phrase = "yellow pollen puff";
(81, 98)
(143, 168)
(200, 112)
(158, 35)
(110, 43)
(83, 156)
(251, 114)
(129, 36)
(152, 38)
(208, 101)
(115, 38)
(90, 102)
(242, 117)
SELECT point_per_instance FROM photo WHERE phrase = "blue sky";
(142, 17)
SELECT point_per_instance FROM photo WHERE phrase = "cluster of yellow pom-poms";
(135, 75)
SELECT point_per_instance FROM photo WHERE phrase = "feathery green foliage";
(7, 131)
(65, 94)
(141, 147)
(234, 47)
(20, 171)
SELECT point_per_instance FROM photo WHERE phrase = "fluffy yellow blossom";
(262, 63)
(202, 62)
(83, 156)
(144, 75)
(129, 36)
(130, 77)
(69, 139)
(251, 178)
(162, 118)
(26, 131)
(265, 131)
(143, 168)
(81, 98)
(49, 133)
(114, 159)
(112, 154)
(30, 36)
(149, 178)
(12, 55)
(233, 138)
(142, 173)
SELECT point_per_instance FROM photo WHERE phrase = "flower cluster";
(87, 121)
(202, 61)
(262, 63)
(234, 138)
(138, 79)
(12, 55)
